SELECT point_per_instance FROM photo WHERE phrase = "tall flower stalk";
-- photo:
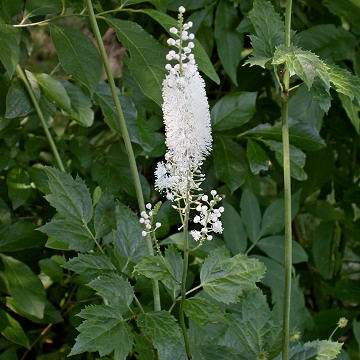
(188, 141)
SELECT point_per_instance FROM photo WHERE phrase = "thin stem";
(287, 191)
(40, 114)
(184, 273)
(126, 138)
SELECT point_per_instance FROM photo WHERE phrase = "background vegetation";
(51, 44)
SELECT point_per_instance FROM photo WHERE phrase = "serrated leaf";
(202, 59)
(91, 265)
(233, 110)
(54, 91)
(12, 330)
(225, 279)
(115, 290)
(234, 233)
(104, 331)
(230, 163)
(250, 214)
(162, 328)
(352, 111)
(203, 311)
(77, 54)
(175, 263)
(147, 57)
(9, 47)
(104, 221)
(18, 103)
(76, 237)
(269, 32)
(154, 267)
(257, 157)
(228, 41)
(69, 196)
(24, 287)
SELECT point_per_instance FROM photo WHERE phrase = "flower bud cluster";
(182, 40)
(147, 221)
(208, 217)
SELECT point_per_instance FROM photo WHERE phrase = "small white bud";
(171, 41)
(213, 192)
(144, 215)
(209, 237)
(143, 233)
(189, 24)
(148, 226)
(191, 45)
(197, 219)
(221, 209)
(148, 206)
(191, 36)
(198, 208)
(173, 30)
(168, 67)
(204, 198)
(181, 9)
(157, 225)
(141, 220)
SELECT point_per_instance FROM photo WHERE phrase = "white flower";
(196, 234)
(181, 9)
(217, 227)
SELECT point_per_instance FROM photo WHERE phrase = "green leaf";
(225, 279)
(115, 290)
(41, 7)
(154, 267)
(234, 232)
(257, 157)
(230, 163)
(203, 311)
(352, 111)
(78, 55)
(228, 41)
(24, 287)
(51, 267)
(147, 57)
(19, 188)
(76, 237)
(17, 101)
(175, 263)
(54, 91)
(250, 214)
(9, 47)
(297, 159)
(104, 331)
(69, 196)
(90, 265)
(161, 327)
(328, 41)
(202, 59)
(356, 331)
(9, 354)
(104, 221)
(269, 32)
(273, 246)
(81, 110)
(12, 330)
(233, 110)
(347, 10)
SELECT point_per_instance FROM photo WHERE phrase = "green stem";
(287, 191)
(184, 273)
(126, 138)
(40, 114)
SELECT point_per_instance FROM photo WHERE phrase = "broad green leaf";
(202, 59)
(78, 55)
(19, 188)
(233, 110)
(347, 10)
(143, 347)
(41, 7)
(352, 111)
(257, 157)
(297, 159)
(234, 233)
(69, 196)
(147, 57)
(104, 331)
(225, 279)
(9, 354)
(54, 91)
(328, 41)
(162, 328)
(203, 311)
(324, 210)
(17, 101)
(90, 265)
(230, 163)
(175, 263)
(302, 135)
(52, 268)
(24, 287)
(12, 330)
(81, 110)
(229, 42)
(250, 214)
(347, 290)
(269, 32)
(252, 325)
(9, 47)
(76, 237)
(104, 220)
(103, 97)
(154, 267)
(115, 290)
(274, 247)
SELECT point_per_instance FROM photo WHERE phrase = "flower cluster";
(147, 220)
(208, 217)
